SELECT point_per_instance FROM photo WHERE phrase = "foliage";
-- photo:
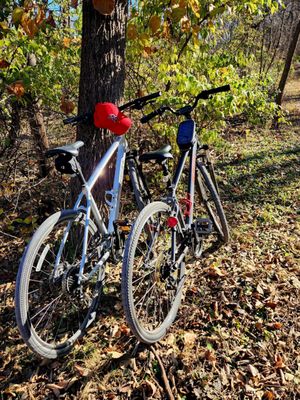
(189, 45)
(39, 54)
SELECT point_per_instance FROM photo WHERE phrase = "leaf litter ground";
(238, 330)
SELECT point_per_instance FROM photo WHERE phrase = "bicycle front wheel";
(52, 310)
(210, 205)
(151, 285)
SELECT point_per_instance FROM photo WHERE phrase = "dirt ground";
(237, 334)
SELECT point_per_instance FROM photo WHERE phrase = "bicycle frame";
(120, 146)
(189, 200)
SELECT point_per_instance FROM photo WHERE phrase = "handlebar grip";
(140, 101)
(150, 96)
(225, 88)
(153, 114)
(206, 93)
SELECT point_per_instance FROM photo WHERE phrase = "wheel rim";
(154, 285)
(57, 306)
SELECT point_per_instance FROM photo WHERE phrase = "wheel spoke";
(58, 308)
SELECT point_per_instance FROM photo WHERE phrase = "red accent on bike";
(172, 222)
(108, 116)
(188, 204)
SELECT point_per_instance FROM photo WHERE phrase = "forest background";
(239, 338)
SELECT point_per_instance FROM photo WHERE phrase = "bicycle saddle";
(71, 149)
(158, 155)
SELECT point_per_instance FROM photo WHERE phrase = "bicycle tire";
(34, 279)
(136, 184)
(146, 220)
(203, 180)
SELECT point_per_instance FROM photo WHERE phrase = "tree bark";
(38, 130)
(102, 78)
(288, 63)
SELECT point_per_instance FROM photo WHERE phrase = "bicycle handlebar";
(153, 114)
(136, 104)
(186, 110)
(140, 102)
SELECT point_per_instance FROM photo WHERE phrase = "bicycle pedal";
(123, 226)
(203, 226)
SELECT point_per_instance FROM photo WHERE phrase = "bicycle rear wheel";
(209, 204)
(151, 289)
(52, 310)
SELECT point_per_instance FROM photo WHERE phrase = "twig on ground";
(163, 374)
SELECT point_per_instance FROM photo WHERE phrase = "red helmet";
(108, 116)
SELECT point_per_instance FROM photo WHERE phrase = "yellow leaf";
(104, 7)
(211, 26)
(166, 30)
(28, 4)
(4, 26)
(17, 15)
(66, 42)
(194, 4)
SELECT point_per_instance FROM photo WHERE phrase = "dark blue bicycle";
(166, 231)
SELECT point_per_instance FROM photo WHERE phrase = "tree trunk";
(102, 78)
(38, 130)
(14, 128)
(288, 63)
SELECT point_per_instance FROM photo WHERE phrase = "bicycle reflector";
(172, 222)
(108, 116)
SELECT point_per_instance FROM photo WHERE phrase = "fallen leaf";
(279, 364)
(271, 304)
(268, 396)
(189, 338)
(210, 356)
(253, 371)
(114, 354)
(289, 377)
(276, 325)
(214, 272)
(82, 371)
(259, 326)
